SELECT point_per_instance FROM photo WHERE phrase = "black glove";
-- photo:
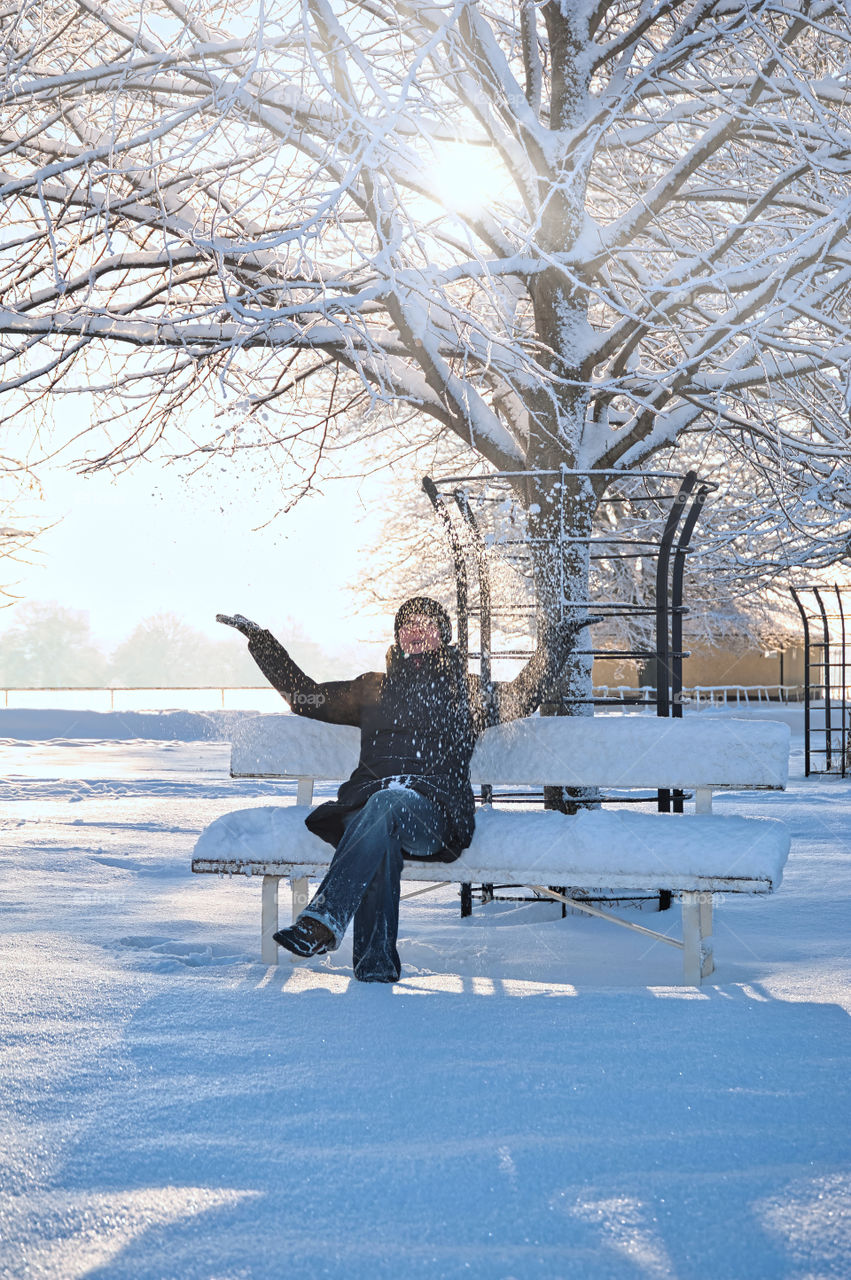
(245, 625)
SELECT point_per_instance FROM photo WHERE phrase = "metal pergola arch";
(822, 664)
(686, 499)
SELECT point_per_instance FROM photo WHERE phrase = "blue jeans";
(363, 879)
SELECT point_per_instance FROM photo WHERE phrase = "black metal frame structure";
(821, 665)
(668, 609)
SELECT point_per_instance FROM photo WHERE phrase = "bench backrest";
(608, 751)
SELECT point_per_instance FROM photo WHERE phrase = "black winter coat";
(419, 721)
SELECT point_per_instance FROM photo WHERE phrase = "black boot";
(307, 937)
(366, 976)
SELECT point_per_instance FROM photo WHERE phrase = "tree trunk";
(560, 520)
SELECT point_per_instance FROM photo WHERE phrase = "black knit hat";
(424, 606)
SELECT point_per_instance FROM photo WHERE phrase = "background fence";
(138, 698)
(264, 698)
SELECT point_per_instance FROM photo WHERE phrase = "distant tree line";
(51, 646)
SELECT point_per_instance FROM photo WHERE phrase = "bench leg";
(698, 961)
(301, 895)
(269, 920)
(707, 950)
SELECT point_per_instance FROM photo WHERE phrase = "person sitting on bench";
(410, 795)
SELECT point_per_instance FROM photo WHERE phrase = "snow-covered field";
(536, 1098)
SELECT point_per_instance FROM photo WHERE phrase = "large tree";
(577, 234)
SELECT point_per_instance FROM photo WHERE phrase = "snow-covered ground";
(536, 1098)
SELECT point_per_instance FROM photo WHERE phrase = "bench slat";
(486, 875)
(607, 751)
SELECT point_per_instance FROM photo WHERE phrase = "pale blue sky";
(154, 540)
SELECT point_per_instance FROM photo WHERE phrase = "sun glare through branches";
(465, 178)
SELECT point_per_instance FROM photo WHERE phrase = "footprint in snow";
(168, 955)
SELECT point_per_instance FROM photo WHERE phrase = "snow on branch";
(567, 234)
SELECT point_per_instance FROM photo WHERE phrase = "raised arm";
(525, 693)
(334, 701)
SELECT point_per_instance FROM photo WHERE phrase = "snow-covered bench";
(693, 855)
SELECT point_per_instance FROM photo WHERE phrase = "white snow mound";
(593, 848)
